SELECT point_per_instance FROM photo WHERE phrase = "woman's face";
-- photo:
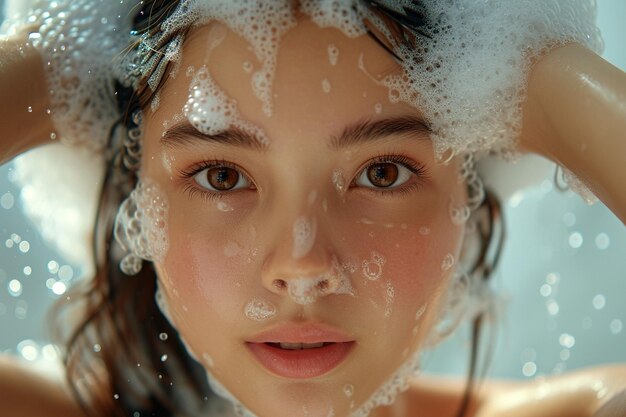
(334, 228)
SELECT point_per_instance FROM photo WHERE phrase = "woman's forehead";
(319, 77)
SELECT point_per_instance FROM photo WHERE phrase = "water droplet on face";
(459, 214)
(326, 85)
(448, 262)
(373, 267)
(30, 109)
(339, 180)
(424, 231)
(259, 310)
(389, 297)
(224, 206)
(348, 390)
(247, 67)
(378, 108)
(333, 54)
(232, 249)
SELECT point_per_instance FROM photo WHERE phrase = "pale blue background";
(551, 234)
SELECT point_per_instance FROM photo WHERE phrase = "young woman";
(278, 229)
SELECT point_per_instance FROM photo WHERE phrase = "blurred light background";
(562, 277)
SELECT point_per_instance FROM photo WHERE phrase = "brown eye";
(384, 175)
(221, 178)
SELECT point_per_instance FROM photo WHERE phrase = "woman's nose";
(303, 265)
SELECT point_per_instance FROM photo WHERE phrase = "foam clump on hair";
(78, 39)
(141, 226)
(467, 71)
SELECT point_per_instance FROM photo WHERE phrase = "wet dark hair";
(118, 337)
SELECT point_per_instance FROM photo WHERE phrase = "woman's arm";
(24, 99)
(25, 393)
(575, 114)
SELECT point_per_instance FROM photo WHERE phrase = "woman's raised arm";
(24, 99)
(575, 114)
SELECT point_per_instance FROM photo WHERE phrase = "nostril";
(280, 284)
(322, 285)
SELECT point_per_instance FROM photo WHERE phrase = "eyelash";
(420, 171)
(193, 189)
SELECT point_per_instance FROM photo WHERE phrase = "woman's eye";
(221, 178)
(384, 175)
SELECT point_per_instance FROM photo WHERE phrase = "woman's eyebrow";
(370, 130)
(184, 134)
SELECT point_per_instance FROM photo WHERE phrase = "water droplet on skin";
(259, 310)
(339, 180)
(53, 136)
(333, 54)
(373, 268)
(247, 67)
(389, 297)
(348, 390)
(232, 249)
(326, 85)
(448, 262)
(30, 109)
(223, 206)
(420, 312)
(208, 360)
(459, 214)
(378, 108)
(424, 231)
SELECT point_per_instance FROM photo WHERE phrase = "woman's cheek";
(211, 272)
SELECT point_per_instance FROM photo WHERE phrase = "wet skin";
(218, 260)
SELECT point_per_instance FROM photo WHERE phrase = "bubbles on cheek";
(373, 267)
(141, 226)
(348, 390)
(304, 232)
(259, 310)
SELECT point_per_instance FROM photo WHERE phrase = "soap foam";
(141, 226)
(259, 310)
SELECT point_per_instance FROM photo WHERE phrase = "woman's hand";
(24, 97)
(575, 114)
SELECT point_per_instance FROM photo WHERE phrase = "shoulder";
(26, 391)
(578, 393)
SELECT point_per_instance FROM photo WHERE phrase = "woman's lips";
(300, 363)
(303, 361)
